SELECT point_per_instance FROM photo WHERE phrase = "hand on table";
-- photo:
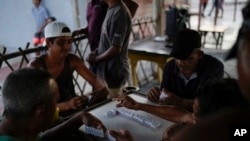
(90, 120)
(126, 101)
(121, 135)
(170, 99)
(169, 132)
(154, 94)
(77, 102)
(99, 96)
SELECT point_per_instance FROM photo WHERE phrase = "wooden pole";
(235, 8)
(199, 16)
(216, 11)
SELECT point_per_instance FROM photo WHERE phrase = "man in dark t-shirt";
(189, 69)
(96, 12)
(112, 60)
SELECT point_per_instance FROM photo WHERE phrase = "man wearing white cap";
(61, 64)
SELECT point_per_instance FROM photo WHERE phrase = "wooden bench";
(217, 31)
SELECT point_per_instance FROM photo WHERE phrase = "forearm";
(108, 54)
(187, 104)
(167, 112)
(42, 27)
(66, 128)
(99, 84)
(63, 106)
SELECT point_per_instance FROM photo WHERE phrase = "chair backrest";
(142, 28)
(81, 49)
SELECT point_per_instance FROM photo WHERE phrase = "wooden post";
(199, 16)
(157, 15)
(235, 8)
(216, 11)
(76, 13)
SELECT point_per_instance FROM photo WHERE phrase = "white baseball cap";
(56, 29)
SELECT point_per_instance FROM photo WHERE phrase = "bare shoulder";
(75, 60)
(35, 62)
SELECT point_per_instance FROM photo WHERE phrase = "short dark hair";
(218, 94)
(52, 39)
(24, 90)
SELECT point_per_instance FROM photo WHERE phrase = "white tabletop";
(139, 131)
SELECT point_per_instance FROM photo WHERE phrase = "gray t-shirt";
(115, 31)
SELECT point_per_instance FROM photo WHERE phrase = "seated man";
(30, 101)
(222, 126)
(212, 97)
(61, 64)
(189, 69)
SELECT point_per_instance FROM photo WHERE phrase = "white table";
(139, 131)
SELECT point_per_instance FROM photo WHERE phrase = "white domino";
(150, 122)
(93, 131)
(112, 112)
(139, 118)
(125, 113)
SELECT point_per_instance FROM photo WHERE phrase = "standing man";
(96, 12)
(112, 59)
(41, 15)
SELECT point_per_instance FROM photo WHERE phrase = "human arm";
(107, 55)
(48, 20)
(83, 30)
(101, 90)
(154, 94)
(121, 135)
(172, 99)
(171, 113)
(72, 125)
(169, 132)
